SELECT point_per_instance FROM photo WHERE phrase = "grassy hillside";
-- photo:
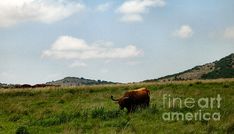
(89, 109)
(223, 68)
(75, 81)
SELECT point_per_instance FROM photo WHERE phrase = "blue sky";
(122, 41)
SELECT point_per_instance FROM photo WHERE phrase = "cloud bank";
(67, 47)
(185, 31)
(132, 10)
(46, 11)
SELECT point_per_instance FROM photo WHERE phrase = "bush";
(22, 130)
(226, 86)
(61, 101)
(198, 82)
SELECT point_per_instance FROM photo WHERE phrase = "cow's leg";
(147, 102)
(129, 109)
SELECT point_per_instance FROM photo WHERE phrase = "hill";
(75, 81)
(3, 85)
(223, 68)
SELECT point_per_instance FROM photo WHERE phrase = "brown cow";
(133, 99)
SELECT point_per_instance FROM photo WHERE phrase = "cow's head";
(123, 102)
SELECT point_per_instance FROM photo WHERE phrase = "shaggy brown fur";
(133, 99)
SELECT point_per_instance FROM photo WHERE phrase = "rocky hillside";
(75, 81)
(223, 68)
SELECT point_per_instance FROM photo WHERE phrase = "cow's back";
(138, 96)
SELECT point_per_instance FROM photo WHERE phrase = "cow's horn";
(113, 98)
(126, 98)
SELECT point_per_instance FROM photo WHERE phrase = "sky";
(120, 41)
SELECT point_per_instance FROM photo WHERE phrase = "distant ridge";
(223, 68)
(75, 81)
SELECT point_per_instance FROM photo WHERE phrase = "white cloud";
(77, 64)
(185, 31)
(131, 18)
(132, 10)
(229, 33)
(67, 47)
(103, 7)
(47, 11)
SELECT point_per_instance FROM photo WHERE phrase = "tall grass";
(89, 109)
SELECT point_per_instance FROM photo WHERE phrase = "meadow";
(89, 109)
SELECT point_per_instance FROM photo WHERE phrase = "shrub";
(198, 82)
(226, 86)
(190, 85)
(22, 130)
(61, 101)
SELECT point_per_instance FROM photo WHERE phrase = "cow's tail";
(113, 98)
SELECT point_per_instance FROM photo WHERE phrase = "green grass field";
(89, 109)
